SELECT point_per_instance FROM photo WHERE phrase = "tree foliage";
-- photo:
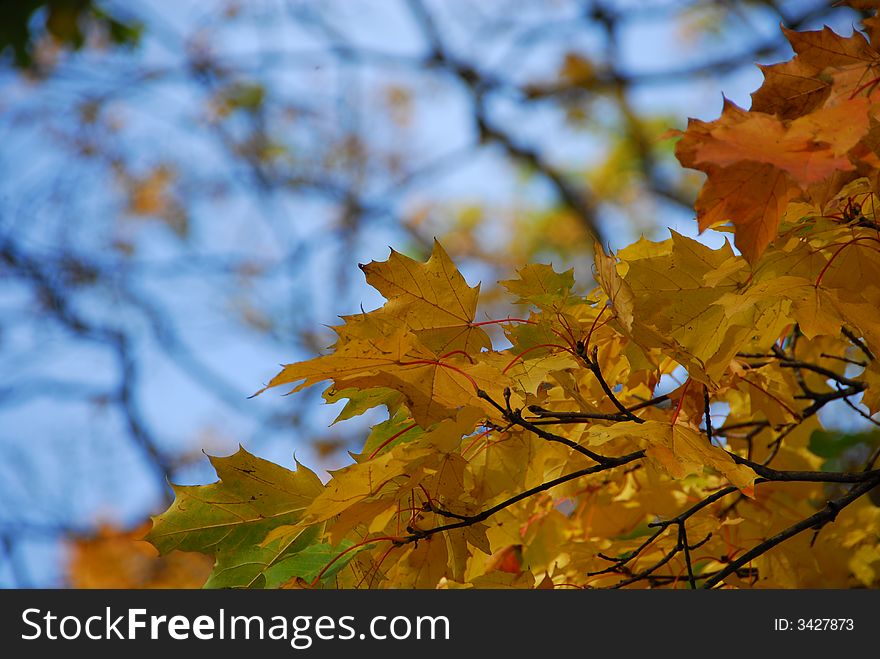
(112, 558)
(660, 430)
(33, 30)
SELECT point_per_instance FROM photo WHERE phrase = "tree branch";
(827, 514)
(611, 463)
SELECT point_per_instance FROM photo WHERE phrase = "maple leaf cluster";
(661, 430)
(812, 130)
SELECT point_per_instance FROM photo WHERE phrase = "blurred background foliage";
(186, 189)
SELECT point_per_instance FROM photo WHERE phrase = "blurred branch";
(56, 302)
(17, 568)
(579, 201)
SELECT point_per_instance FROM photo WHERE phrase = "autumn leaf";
(431, 298)
(152, 195)
(412, 461)
(753, 196)
(417, 344)
(684, 300)
(809, 124)
(809, 149)
(149, 195)
(678, 449)
(230, 518)
(117, 558)
(360, 401)
(826, 66)
(318, 560)
(368, 359)
(540, 285)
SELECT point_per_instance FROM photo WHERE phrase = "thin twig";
(515, 417)
(827, 514)
(417, 534)
(856, 341)
(706, 413)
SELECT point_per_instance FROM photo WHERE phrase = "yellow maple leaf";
(432, 299)
(664, 302)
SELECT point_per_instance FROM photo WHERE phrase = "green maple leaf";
(231, 517)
